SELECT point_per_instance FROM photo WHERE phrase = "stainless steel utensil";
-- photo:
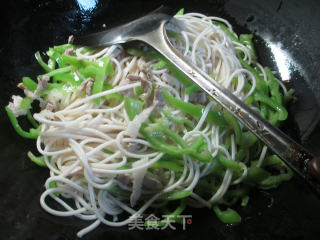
(150, 29)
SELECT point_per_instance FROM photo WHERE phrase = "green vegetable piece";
(173, 216)
(273, 181)
(42, 63)
(282, 112)
(37, 160)
(168, 164)
(66, 78)
(261, 85)
(288, 96)
(233, 122)
(192, 89)
(103, 71)
(176, 35)
(273, 86)
(33, 133)
(154, 133)
(138, 90)
(51, 64)
(133, 107)
(239, 192)
(116, 96)
(160, 64)
(177, 119)
(180, 12)
(59, 70)
(248, 139)
(155, 138)
(214, 117)
(62, 48)
(233, 165)
(29, 83)
(227, 31)
(89, 71)
(31, 120)
(227, 216)
(58, 58)
(179, 195)
(245, 201)
(256, 175)
(124, 167)
(246, 39)
(26, 103)
(53, 184)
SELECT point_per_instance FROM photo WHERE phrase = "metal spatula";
(150, 29)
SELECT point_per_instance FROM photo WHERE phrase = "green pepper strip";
(168, 164)
(29, 83)
(227, 31)
(233, 122)
(51, 64)
(42, 63)
(31, 120)
(124, 167)
(70, 60)
(158, 143)
(153, 134)
(178, 195)
(62, 48)
(180, 12)
(245, 201)
(33, 133)
(248, 139)
(241, 153)
(233, 165)
(282, 112)
(117, 96)
(53, 184)
(177, 119)
(26, 103)
(273, 117)
(256, 175)
(66, 77)
(192, 89)
(133, 107)
(273, 86)
(213, 117)
(89, 71)
(261, 85)
(174, 216)
(246, 39)
(174, 34)
(160, 64)
(37, 160)
(59, 70)
(205, 157)
(288, 96)
(227, 216)
(58, 58)
(103, 71)
(138, 90)
(239, 192)
(274, 181)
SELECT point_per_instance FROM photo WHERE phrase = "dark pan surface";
(289, 212)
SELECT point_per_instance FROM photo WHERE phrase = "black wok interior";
(289, 212)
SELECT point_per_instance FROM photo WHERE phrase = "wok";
(287, 36)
